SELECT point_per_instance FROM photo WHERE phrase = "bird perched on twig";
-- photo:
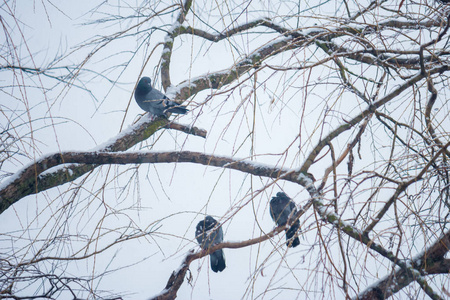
(282, 210)
(155, 102)
(209, 233)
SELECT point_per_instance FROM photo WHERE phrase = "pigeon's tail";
(217, 261)
(290, 233)
(292, 243)
(177, 110)
(173, 107)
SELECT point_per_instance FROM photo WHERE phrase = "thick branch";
(30, 180)
(440, 248)
(25, 182)
(168, 45)
(431, 262)
(216, 80)
(187, 129)
(292, 39)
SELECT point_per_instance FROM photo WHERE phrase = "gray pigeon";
(155, 102)
(209, 233)
(281, 208)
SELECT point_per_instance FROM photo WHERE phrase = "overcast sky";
(168, 200)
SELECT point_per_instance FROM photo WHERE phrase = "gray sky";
(168, 200)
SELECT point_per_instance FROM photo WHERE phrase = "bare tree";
(341, 104)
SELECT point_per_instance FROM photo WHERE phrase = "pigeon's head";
(145, 84)
(275, 200)
(206, 224)
(280, 199)
(282, 195)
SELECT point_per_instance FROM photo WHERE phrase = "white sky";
(135, 197)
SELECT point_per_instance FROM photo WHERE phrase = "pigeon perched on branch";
(282, 210)
(155, 102)
(209, 233)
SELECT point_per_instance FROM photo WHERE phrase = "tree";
(353, 94)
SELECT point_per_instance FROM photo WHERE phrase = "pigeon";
(155, 102)
(281, 209)
(209, 233)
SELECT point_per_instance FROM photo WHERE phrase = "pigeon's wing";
(154, 94)
(273, 214)
(199, 232)
(159, 104)
(217, 258)
(292, 208)
(205, 234)
(214, 233)
(290, 233)
(218, 235)
(292, 205)
(154, 102)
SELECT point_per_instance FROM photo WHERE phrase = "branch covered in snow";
(31, 179)
(410, 270)
(168, 44)
(431, 261)
(86, 161)
(291, 39)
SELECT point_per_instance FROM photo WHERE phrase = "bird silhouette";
(282, 209)
(155, 102)
(209, 233)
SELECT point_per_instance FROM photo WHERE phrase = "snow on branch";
(168, 44)
(25, 183)
(410, 269)
(219, 79)
(289, 39)
(31, 179)
(429, 262)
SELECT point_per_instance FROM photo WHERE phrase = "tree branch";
(187, 88)
(440, 248)
(371, 108)
(30, 179)
(177, 277)
(168, 45)
(25, 180)
(431, 262)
